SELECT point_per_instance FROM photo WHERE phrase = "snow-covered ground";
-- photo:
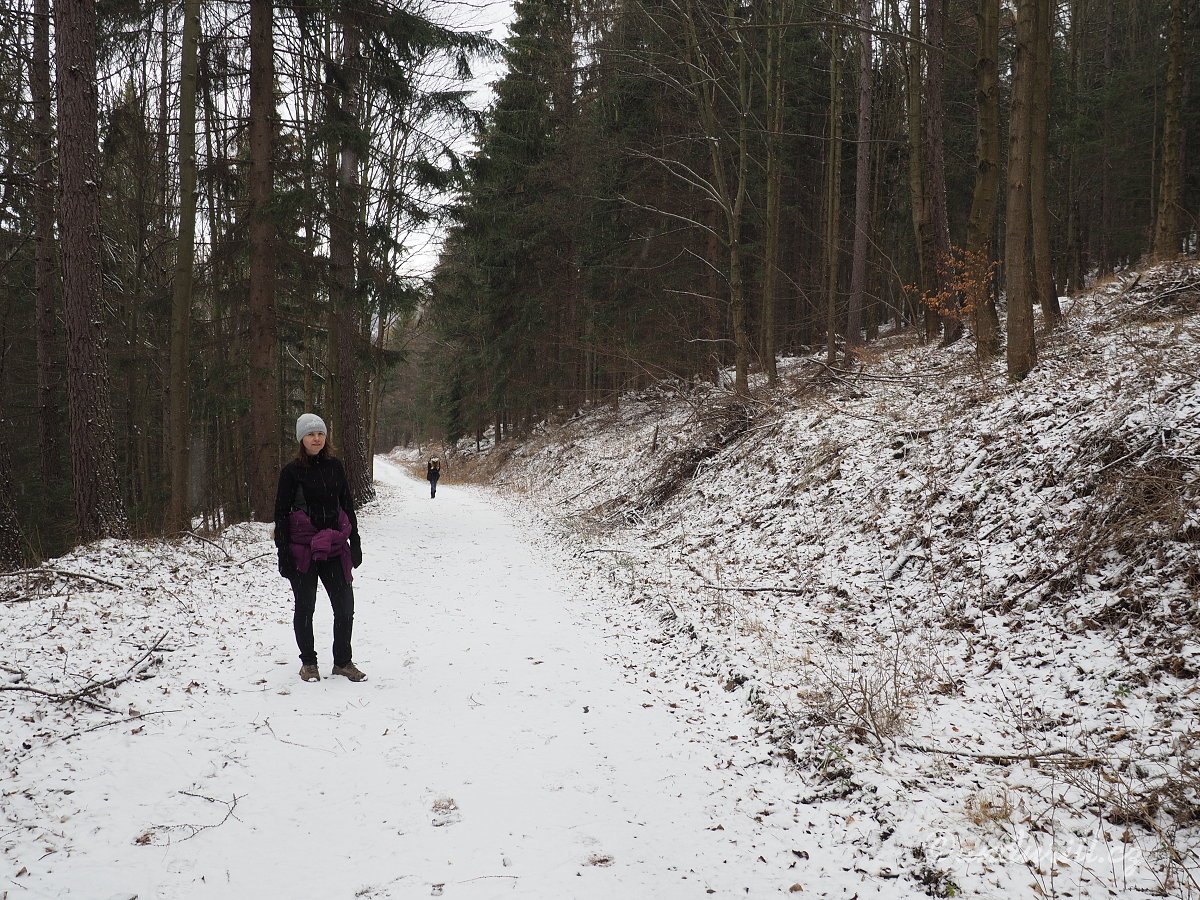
(967, 611)
(510, 741)
(898, 631)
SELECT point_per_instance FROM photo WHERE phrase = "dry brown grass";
(989, 806)
(1142, 499)
(867, 696)
(1161, 800)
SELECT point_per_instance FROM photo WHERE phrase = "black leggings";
(341, 597)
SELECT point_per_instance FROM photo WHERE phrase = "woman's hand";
(287, 565)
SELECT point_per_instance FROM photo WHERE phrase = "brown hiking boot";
(310, 673)
(350, 670)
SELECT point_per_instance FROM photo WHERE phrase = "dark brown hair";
(303, 456)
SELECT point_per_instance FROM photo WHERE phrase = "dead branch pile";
(1164, 293)
(1139, 512)
(722, 423)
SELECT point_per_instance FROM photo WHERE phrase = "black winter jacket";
(324, 489)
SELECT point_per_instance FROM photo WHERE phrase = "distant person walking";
(433, 472)
(316, 533)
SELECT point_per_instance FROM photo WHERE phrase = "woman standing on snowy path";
(433, 472)
(316, 533)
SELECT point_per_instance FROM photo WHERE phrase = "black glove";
(287, 565)
(355, 554)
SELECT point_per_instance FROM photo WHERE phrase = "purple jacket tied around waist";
(308, 544)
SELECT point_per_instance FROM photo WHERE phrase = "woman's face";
(313, 442)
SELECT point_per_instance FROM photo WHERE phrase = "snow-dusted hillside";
(966, 610)
(899, 631)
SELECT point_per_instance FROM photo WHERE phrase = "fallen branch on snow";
(230, 805)
(51, 571)
(1005, 758)
(253, 558)
(752, 589)
(936, 373)
(594, 484)
(193, 534)
(153, 712)
(82, 695)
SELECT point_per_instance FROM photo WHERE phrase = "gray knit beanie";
(307, 423)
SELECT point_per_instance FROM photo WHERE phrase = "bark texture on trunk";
(937, 244)
(1039, 168)
(984, 201)
(774, 178)
(99, 511)
(12, 543)
(179, 389)
(352, 437)
(862, 182)
(737, 284)
(833, 188)
(916, 167)
(1018, 256)
(264, 382)
(49, 430)
(1168, 229)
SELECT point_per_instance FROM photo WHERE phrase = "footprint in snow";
(445, 812)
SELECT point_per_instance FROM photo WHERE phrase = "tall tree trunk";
(342, 234)
(728, 189)
(774, 178)
(984, 201)
(49, 436)
(564, 123)
(179, 385)
(922, 229)
(12, 549)
(366, 342)
(1168, 230)
(833, 185)
(862, 180)
(99, 511)
(1039, 169)
(711, 350)
(308, 291)
(938, 241)
(378, 344)
(1105, 231)
(1073, 255)
(135, 361)
(737, 285)
(166, 55)
(1018, 258)
(264, 387)
(883, 171)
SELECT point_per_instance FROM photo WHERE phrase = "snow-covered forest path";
(503, 746)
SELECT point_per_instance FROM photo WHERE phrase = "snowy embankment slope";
(510, 740)
(968, 611)
(961, 614)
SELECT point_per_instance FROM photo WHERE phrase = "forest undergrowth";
(932, 584)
